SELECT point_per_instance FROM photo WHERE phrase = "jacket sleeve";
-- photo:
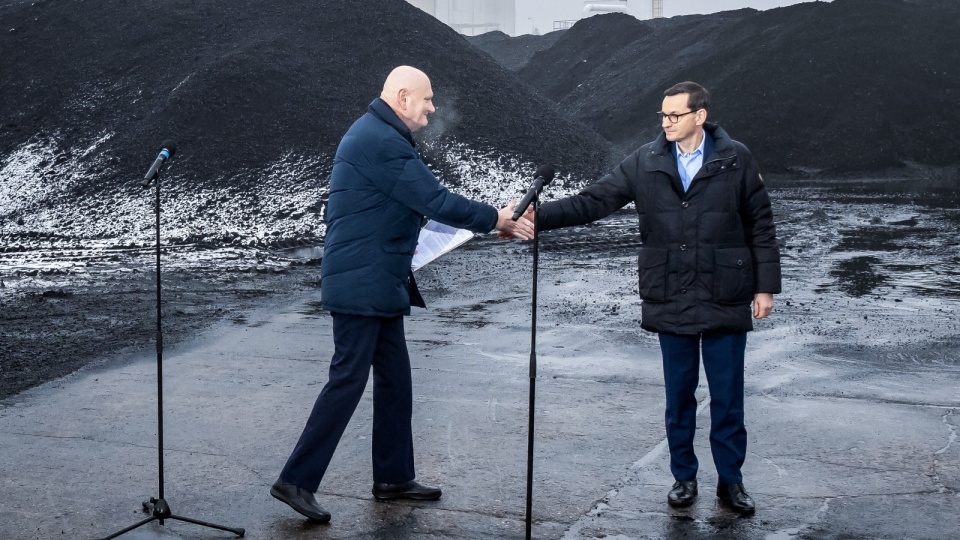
(759, 230)
(418, 189)
(598, 200)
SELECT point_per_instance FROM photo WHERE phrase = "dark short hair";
(698, 98)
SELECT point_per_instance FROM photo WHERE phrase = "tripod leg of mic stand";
(161, 511)
(238, 531)
(157, 507)
(130, 528)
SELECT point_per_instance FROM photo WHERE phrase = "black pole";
(533, 364)
(160, 509)
(159, 354)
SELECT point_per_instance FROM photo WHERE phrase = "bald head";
(408, 92)
(403, 78)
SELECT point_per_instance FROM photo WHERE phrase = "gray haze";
(539, 15)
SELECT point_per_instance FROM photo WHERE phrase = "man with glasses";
(709, 250)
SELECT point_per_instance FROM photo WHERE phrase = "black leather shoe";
(683, 493)
(300, 500)
(405, 490)
(735, 497)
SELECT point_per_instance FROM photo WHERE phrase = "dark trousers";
(723, 364)
(359, 343)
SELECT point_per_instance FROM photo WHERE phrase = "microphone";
(167, 149)
(541, 178)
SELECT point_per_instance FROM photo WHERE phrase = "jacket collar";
(381, 110)
(662, 156)
(722, 144)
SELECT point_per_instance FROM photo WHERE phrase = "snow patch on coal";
(44, 187)
(279, 205)
(39, 170)
(496, 178)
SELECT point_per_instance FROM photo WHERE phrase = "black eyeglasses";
(674, 118)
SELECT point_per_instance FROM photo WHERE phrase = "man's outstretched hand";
(508, 228)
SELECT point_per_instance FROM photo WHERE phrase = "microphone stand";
(533, 363)
(158, 505)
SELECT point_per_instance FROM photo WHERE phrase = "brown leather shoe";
(683, 493)
(735, 497)
(405, 490)
(300, 500)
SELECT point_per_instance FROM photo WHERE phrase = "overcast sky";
(542, 13)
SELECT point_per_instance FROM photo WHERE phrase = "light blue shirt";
(689, 164)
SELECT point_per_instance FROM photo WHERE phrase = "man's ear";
(701, 116)
(402, 95)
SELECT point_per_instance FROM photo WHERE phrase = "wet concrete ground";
(852, 403)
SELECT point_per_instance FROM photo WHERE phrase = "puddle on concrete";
(783, 534)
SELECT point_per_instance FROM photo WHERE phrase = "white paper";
(435, 240)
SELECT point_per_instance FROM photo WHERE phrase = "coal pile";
(513, 52)
(581, 53)
(845, 88)
(257, 94)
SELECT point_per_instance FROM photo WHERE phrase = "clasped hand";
(508, 228)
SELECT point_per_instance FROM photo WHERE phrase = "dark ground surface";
(59, 320)
(814, 88)
(861, 242)
(852, 396)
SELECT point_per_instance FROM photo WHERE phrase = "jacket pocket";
(733, 281)
(652, 270)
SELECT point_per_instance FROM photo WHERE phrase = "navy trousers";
(723, 364)
(359, 343)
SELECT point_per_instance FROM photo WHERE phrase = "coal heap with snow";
(257, 94)
(849, 87)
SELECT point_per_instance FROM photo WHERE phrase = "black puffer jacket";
(705, 252)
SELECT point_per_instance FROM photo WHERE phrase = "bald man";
(380, 190)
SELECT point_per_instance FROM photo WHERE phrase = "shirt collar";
(699, 149)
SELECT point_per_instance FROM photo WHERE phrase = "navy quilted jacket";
(380, 190)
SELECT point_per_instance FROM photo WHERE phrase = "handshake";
(522, 228)
(510, 223)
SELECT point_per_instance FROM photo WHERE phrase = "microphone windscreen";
(546, 172)
(170, 146)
